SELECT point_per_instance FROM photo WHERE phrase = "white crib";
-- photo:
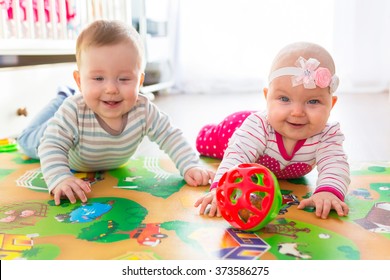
(42, 29)
(29, 27)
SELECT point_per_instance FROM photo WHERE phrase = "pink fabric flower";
(307, 74)
(322, 77)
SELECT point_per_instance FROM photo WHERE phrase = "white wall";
(362, 44)
(228, 45)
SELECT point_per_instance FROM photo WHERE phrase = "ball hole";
(258, 179)
(256, 199)
(235, 177)
(236, 194)
(245, 214)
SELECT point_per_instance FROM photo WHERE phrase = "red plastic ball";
(248, 196)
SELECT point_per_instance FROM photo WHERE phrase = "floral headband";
(307, 73)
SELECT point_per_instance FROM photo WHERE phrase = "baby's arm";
(324, 202)
(72, 188)
(333, 175)
(60, 136)
(206, 200)
(198, 176)
(244, 146)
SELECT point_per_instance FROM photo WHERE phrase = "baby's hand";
(197, 176)
(205, 200)
(71, 188)
(324, 202)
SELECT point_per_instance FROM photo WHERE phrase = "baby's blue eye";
(98, 78)
(284, 99)
(314, 101)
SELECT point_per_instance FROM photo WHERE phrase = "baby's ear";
(265, 91)
(141, 81)
(76, 76)
(334, 100)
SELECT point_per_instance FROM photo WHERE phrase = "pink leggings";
(213, 139)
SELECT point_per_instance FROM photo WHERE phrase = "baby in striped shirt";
(102, 127)
(292, 136)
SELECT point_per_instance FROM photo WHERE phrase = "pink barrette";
(307, 73)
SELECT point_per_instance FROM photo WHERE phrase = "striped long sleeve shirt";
(256, 141)
(75, 139)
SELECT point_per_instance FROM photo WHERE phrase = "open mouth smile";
(111, 103)
(297, 125)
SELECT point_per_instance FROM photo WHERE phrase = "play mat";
(145, 210)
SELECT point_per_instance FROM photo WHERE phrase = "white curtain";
(228, 45)
(362, 44)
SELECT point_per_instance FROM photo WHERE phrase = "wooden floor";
(362, 118)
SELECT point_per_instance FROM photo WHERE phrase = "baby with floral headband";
(292, 136)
